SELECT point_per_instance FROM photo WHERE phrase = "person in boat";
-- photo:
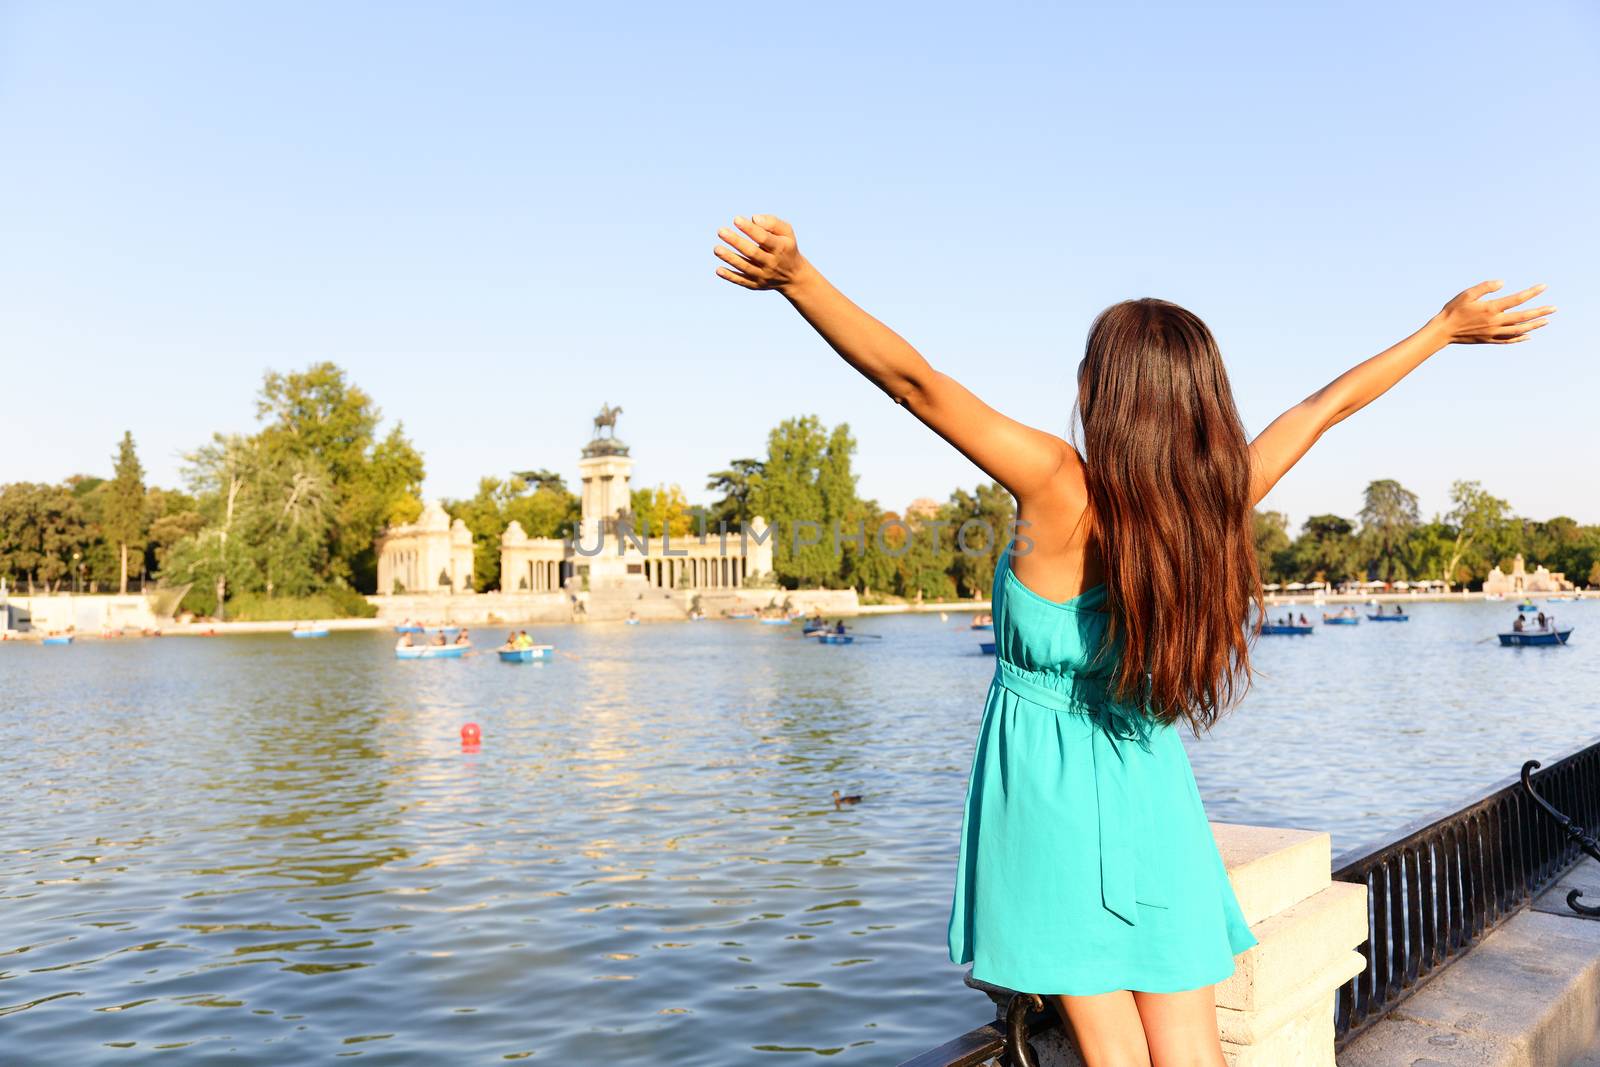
(1303, 621)
(439, 638)
(1520, 624)
(983, 620)
(838, 627)
(1064, 917)
(511, 642)
(404, 642)
(1398, 610)
(462, 638)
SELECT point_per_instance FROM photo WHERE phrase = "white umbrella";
(1402, 585)
(1295, 585)
(1270, 587)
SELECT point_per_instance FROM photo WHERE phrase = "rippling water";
(260, 850)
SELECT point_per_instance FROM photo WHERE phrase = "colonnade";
(711, 572)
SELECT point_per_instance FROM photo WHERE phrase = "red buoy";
(470, 734)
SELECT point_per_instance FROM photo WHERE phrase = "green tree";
(543, 508)
(543, 478)
(41, 529)
(124, 517)
(98, 564)
(318, 414)
(664, 509)
(1388, 515)
(737, 484)
(1477, 517)
(988, 516)
(221, 475)
(924, 569)
(1427, 548)
(806, 489)
(1326, 550)
(872, 542)
(485, 515)
(1272, 543)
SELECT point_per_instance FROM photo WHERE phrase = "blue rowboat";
(524, 655)
(775, 622)
(983, 626)
(986, 647)
(63, 639)
(408, 629)
(812, 631)
(1527, 605)
(1340, 620)
(432, 652)
(631, 622)
(320, 631)
(448, 631)
(1278, 629)
(835, 639)
(1389, 618)
(741, 614)
(1535, 637)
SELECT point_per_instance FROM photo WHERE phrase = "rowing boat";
(431, 651)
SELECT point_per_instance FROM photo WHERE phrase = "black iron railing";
(1435, 887)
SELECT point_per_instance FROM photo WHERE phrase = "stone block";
(1273, 869)
(1301, 940)
(1296, 997)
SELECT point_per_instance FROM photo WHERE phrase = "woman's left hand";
(1470, 319)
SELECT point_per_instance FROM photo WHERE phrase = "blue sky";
(498, 216)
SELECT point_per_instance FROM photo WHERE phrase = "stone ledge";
(1273, 869)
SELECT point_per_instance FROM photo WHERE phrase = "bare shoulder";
(1065, 494)
(1054, 519)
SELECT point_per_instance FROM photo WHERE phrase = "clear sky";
(499, 216)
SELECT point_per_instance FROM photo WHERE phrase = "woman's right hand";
(1470, 319)
(761, 254)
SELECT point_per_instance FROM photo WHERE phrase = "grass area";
(333, 604)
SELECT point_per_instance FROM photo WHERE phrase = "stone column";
(1277, 1008)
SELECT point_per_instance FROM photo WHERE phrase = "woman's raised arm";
(1467, 319)
(761, 253)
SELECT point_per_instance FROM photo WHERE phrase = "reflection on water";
(259, 850)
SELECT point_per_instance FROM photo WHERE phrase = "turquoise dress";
(1087, 863)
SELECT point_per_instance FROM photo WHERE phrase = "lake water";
(254, 850)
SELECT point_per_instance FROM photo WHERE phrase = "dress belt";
(1113, 795)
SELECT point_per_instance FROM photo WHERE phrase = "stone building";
(1520, 581)
(435, 555)
(431, 555)
(609, 553)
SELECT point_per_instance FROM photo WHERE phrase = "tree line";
(273, 520)
(1387, 540)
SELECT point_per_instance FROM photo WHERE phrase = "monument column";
(606, 468)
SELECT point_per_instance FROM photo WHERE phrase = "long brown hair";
(1168, 471)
